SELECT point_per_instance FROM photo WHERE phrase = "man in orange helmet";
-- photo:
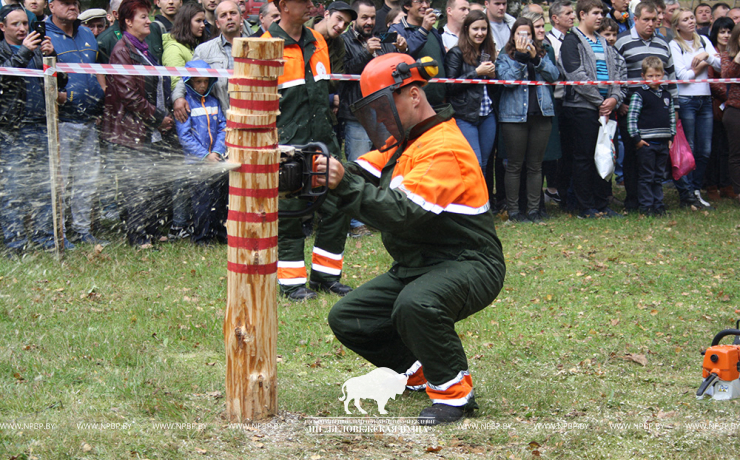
(426, 194)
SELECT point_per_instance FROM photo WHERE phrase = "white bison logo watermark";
(380, 384)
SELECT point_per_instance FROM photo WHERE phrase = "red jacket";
(719, 92)
(731, 70)
(130, 115)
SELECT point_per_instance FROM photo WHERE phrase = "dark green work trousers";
(393, 321)
(331, 235)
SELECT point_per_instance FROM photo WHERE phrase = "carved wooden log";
(252, 139)
(250, 322)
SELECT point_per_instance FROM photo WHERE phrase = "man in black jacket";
(360, 48)
(23, 139)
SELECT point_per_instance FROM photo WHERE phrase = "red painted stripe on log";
(267, 269)
(253, 82)
(264, 62)
(264, 106)
(254, 192)
(255, 244)
(258, 169)
(253, 217)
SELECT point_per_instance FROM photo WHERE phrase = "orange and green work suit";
(430, 202)
(305, 116)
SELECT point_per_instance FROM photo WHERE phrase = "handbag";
(606, 154)
(682, 160)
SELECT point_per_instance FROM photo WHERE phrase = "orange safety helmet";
(396, 70)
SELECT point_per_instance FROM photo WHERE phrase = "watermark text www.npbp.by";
(27, 426)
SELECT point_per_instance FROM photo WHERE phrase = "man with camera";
(80, 109)
(24, 150)
(423, 39)
(361, 46)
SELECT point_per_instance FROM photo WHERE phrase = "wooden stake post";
(250, 322)
(55, 172)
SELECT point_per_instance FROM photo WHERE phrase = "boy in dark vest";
(651, 123)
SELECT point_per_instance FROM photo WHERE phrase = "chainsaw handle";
(723, 334)
(319, 195)
(706, 383)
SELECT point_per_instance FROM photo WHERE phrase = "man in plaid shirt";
(651, 122)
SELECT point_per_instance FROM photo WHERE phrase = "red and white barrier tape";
(140, 70)
(18, 72)
(346, 77)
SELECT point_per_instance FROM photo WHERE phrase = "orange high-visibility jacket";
(305, 114)
(430, 202)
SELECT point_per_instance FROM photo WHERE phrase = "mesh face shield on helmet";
(377, 113)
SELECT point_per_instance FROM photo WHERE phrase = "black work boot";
(332, 287)
(437, 414)
(300, 294)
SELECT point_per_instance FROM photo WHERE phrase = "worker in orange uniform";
(425, 192)
(305, 116)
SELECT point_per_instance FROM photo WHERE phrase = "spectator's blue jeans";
(181, 204)
(481, 137)
(24, 171)
(356, 144)
(356, 140)
(696, 116)
(79, 151)
(619, 166)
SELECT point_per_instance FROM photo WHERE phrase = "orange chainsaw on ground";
(721, 367)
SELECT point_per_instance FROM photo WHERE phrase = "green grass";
(133, 339)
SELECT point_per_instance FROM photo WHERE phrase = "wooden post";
(250, 322)
(52, 127)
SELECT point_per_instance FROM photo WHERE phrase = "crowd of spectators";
(535, 144)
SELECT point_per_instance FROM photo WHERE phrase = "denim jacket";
(512, 106)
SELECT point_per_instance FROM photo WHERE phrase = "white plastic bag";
(606, 155)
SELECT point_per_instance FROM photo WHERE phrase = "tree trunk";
(250, 322)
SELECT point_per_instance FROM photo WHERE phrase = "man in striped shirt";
(634, 46)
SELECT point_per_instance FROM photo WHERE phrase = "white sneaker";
(179, 233)
(697, 194)
(112, 215)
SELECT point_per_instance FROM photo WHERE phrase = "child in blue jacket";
(203, 137)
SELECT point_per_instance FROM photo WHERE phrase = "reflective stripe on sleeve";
(364, 164)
